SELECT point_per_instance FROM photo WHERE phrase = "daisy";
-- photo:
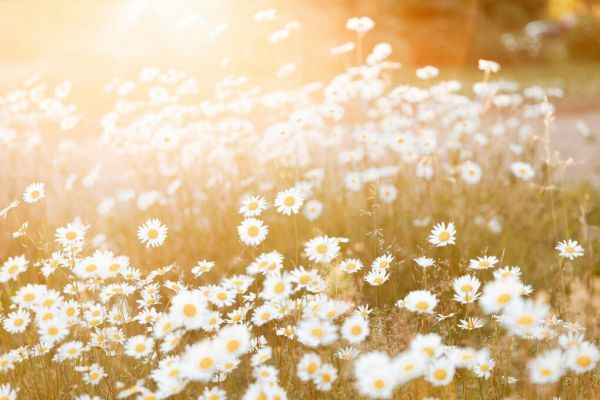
(522, 170)
(498, 295)
(470, 172)
(471, 323)
(382, 262)
(428, 346)
(547, 367)
(388, 193)
(326, 375)
(94, 374)
(252, 231)
(313, 332)
(312, 210)
(202, 267)
(360, 24)
(523, 316)
(303, 278)
(377, 277)
(69, 351)
(233, 340)
(425, 262)
(253, 206)
(375, 377)
(485, 262)
(569, 249)
(289, 201)
(263, 314)
(7, 392)
(53, 331)
(29, 295)
(139, 346)
(34, 193)
(347, 353)
(221, 296)
(153, 233)
(188, 309)
(276, 287)
(12, 268)
(351, 265)
(355, 329)
(200, 361)
(408, 366)
(16, 321)
(71, 235)
(440, 372)
(214, 393)
(322, 249)
(465, 288)
(420, 301)
(463, 357)
(484, 364)
(442, 234)
(583, 358)
(507, 273)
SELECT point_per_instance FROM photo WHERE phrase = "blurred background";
(92, 41)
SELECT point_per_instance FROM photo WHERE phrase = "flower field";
(355, 237)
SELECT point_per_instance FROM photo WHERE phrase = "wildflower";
(465, 288)
(522, 170)
(485, 262)
(442, 234)
(440, 372)
(34, 193)
(326, 376)
(375, 377)
(139, 346)
(289, 201)
(569, 249)
(253, 206)
(408, 366)
(12, 268)
(583, 358)
(470, 172)
(153, 233)
(16, 321)
(382, 262)
(355, 329)
(347, 353)
(425, 262)
(252, 231)
(200, 361)
(547, 367)
(377, 277)
(360, 24)
(388, 193)
(312, 210)
(188, 309)
(470, 323)
(420, 301)
(351, 265)
(313, 332)
(484, 365)
(322, 249)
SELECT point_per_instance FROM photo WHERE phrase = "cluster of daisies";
(156, 333)
(193, 337)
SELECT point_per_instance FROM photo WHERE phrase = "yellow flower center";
(189, 310)
(504, 298)
(206, 363)
(440, 374)
(583, 361)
